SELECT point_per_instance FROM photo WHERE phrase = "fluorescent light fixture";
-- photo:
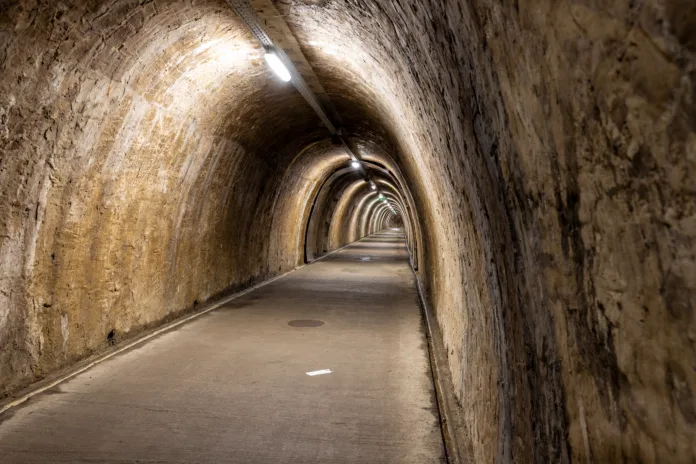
(321, 372)
(277, 66)
(355, 164)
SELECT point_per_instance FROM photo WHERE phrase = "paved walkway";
(232, 385)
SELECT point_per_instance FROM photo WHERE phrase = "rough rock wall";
(601, 183)
(137, 176)
(550, 147)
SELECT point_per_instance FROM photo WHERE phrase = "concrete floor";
(231, 386)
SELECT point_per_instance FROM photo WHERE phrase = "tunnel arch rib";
(334, 224)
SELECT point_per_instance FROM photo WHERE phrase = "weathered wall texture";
(138, 178)
(543, 150)
(550, 146)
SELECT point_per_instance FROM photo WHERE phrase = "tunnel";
(531, 163)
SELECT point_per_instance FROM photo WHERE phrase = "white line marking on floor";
(321, 372)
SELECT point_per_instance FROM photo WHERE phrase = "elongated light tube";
(277, 66)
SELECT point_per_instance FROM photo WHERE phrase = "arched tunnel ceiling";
(541, 156)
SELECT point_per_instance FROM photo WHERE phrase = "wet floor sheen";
(233, 385)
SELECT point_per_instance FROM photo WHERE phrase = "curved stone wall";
(542, 155)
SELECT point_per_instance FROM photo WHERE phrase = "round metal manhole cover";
(305, 323)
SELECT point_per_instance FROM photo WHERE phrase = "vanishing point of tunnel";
(348, 231)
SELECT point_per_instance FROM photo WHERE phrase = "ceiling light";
(355, 164)
(374, 187)
(277, 66)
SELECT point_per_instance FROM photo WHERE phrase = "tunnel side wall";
(126, 200)
(550, 150)
(584, 125)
